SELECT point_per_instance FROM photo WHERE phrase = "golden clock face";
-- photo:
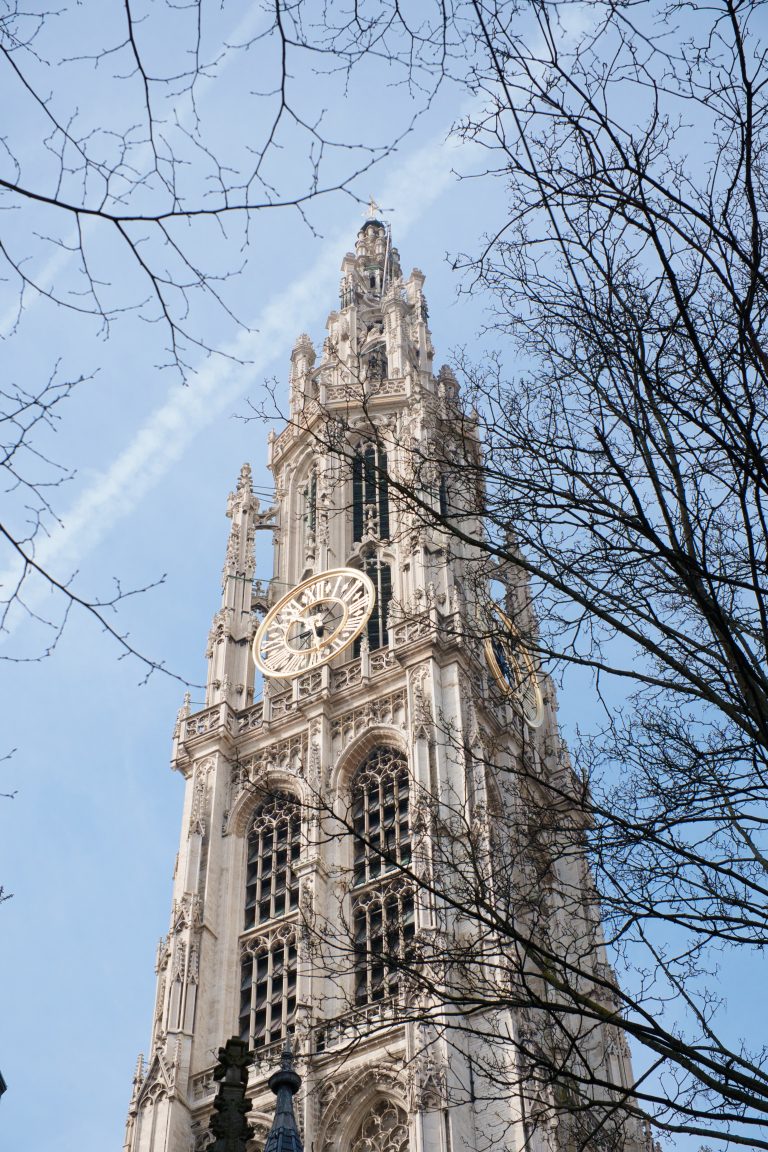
(514, 671)
(313, 623)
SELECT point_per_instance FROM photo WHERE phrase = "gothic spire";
(229, 670)
(285, 1083)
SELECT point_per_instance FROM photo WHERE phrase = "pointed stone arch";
(353, 755)
(158, 1082)
(264, 783)
(349, 1106)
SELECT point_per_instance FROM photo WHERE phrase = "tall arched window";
(377, 629)
(309, 513)
(370, 493)
(384, 1129)
(376, 363)
(309, 501)
(382, 903)
(268, 956)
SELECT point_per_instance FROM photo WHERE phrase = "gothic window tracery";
(382, 905)
(268, 986)
(268, 960)
(384, 1129)
(271, 886)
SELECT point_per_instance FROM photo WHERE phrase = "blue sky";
(87, 845)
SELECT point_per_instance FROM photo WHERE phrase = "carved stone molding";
(220, 628)
(280, 763)
(422, 720)
(313, 765)
(193, 968)
(427, 1082)
(179, 961)
(344, 1102)
(389, 709)
(160, 1079)
(187, 912)
(202, 1137)
(199, 810)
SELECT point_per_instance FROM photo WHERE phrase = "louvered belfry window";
(268, 986)
(268, 946)
(370, 494)
(382, 898)
(377, 628)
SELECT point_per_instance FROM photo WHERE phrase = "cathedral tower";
(360, 816)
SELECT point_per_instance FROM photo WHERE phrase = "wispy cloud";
(413, 186)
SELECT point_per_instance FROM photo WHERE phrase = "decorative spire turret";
(285, 1083)
(378, 263)
(230, 675)
(301, 385)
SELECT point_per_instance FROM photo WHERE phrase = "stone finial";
(304, 347)
(447, 382)
(242, 499)
(228, 1123)
(284, 1134)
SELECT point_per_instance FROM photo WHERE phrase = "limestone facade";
(269, 767)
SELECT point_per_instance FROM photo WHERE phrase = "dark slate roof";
(284, 1133)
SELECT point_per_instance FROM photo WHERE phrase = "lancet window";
(370, 493)
(377, 629)
(309, 512)
(382, 904)
(309, 501)
(376, 363)
(268, 947)
(444, 496)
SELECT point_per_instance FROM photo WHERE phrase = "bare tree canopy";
(623, 470)
(131, 202)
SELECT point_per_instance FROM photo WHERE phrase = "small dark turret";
(285, 1083)
(228, 1123)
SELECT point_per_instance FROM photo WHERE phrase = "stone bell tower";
(339, 808)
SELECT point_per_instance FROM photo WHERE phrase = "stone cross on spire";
(228, 1123)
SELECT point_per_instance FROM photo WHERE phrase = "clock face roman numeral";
(314, 622)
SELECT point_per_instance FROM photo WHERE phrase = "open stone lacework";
(268, 964)
(383, 905)
(385, 1129)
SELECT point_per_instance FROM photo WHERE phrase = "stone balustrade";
(404, 632)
